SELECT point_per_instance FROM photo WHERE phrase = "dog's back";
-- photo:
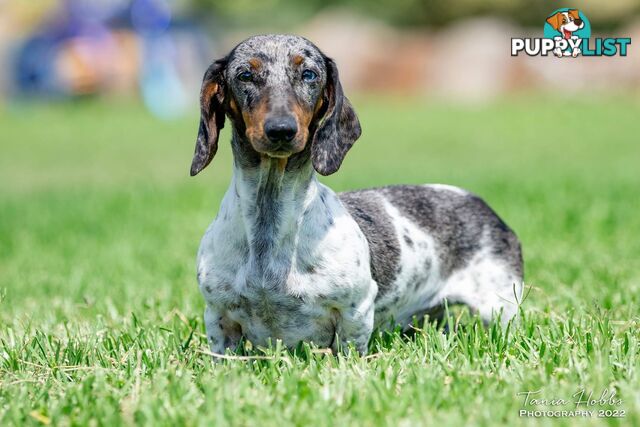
(434, 242)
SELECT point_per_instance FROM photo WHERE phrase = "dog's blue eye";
(245, 76)
(309, 76)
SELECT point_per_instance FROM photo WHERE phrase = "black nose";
(280, 128)
(578, 21)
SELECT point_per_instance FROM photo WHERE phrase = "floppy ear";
(211, 116)
(574, 13)
(337, 129)
(554, 20)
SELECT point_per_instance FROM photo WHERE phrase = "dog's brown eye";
(245, 76)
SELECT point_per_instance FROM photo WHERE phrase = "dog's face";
(276, 85)
(566, 22)
(281, 94)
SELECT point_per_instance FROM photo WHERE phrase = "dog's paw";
(558, 52)
(576, 52)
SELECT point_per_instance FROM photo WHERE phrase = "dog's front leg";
(221, 332)
(354, 323)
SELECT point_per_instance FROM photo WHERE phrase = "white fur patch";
(445, 187)
(486, 285)
(418, 281)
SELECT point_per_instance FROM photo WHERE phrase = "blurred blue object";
(162, 91)
(79, 51)
(32, 66)
(150, 16)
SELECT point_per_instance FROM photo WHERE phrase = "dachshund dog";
(287, 258)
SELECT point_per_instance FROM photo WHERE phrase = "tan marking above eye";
(297, 59)
(255, 63)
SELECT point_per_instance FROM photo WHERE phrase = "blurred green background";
(98, 208)
(101, 317)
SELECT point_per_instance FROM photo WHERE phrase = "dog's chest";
(285, 272)
(263, 304)
(294, 293)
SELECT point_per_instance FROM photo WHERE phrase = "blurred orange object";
(87, 65)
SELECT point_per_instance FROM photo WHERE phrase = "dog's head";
(566, 22)
(281, 93)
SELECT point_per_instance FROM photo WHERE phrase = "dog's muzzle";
(280, 131)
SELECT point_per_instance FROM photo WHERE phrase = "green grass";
(100, 315)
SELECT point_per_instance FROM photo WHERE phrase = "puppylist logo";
(567, 33)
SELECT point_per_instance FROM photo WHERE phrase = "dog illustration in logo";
(566, 23)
